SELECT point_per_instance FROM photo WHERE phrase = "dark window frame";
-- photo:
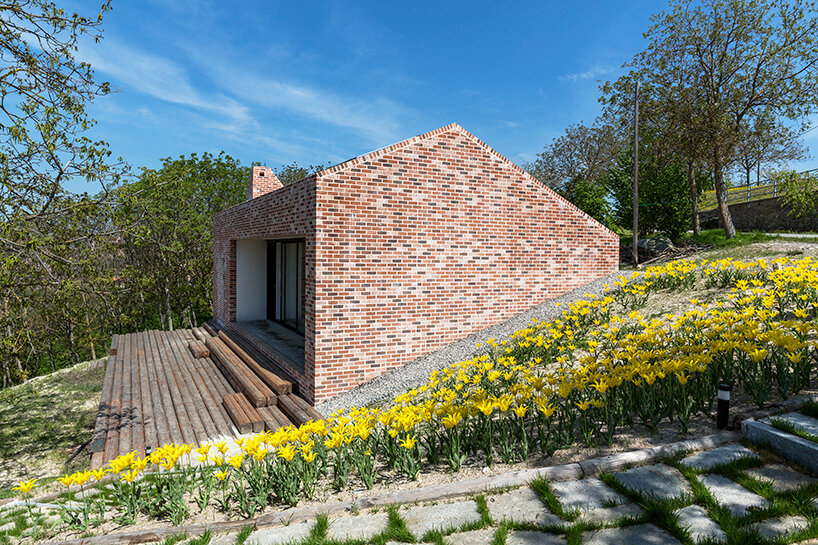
(275, 295)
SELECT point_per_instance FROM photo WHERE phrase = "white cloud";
(376, 118)
(594, 72)
(158, 77)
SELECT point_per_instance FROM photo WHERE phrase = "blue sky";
(320, 82)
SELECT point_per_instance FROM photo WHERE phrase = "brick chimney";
(262, 181)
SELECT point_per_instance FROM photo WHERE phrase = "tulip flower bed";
(577, 379)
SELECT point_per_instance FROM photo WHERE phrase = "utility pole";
(636, 175)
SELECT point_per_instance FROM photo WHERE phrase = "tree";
(44, 91)
(575, 165)
(732, 60)
(165, 221)
(767, 141)
(293, 172)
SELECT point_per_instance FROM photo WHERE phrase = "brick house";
(389, 256)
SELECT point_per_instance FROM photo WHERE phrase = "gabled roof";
(425, 136)
(454, 127)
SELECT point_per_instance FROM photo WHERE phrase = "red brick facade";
(412, 247)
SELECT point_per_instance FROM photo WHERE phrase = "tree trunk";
(167, 306)
(51, 354)
(748, 183)
(75, 359)
(694, 198)
(724, 211)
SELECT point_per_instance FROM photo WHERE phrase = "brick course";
(412, 247)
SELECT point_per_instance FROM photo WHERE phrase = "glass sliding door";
(285, 283)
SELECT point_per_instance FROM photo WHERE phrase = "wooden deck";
(156, 392)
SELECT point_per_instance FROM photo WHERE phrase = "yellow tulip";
(25, 486)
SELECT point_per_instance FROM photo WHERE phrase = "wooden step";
(198, 349)
(297, 410)
(274, 418)
(246, 418)
(273, 381)
(239, 375)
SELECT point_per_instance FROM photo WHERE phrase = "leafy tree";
(663, 193)
(731, 60)
(767, 141)
(575, 165)
(44, 91)
(294, 172)
(799, 192)
(166, 243)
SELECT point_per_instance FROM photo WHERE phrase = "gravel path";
(417, 372)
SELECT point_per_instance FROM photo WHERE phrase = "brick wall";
(423, 244)
(262, 181)
(288, 212)
(412, 247)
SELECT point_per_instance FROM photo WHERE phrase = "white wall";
(251, 280)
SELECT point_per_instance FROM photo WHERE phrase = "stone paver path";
(522, 505)
(442, 517)
(643, 534)
(772, 528)
(782, 478)
(607, 515)
(277, 536)
(699, 524)
(533, 538)
(658, 481)
(735, 497)
(586, 494)
(609, 518)
(473, 537)
(718, 456)
(360, 527)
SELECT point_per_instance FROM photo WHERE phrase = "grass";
(42, 419)
(809, 408)
(789, 427)
(718, 239)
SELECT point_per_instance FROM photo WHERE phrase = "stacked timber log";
(198, 349)
(297, 410)
(239, 375)
(243, 414)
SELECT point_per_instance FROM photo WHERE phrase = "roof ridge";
(392, 147)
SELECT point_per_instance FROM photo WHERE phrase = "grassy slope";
(41, 419)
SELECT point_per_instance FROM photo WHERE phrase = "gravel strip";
(417, 372)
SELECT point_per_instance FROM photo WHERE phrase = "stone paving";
(612, 509)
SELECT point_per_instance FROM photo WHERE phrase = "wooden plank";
(194, 386)
(236, 412)
(251, 412)
(308, 409)
(100, 427)
(113, 348)
(238, 374)
(137, 420)
(126, 408)
(198, 349)
(274, 419)
(148, 387)
(174, 413)
(293, 411)
(211, 398)
(189, 421)
(163, 423)
(216, 388)
(273, 381)
(197, 333)
(247, 374)
(210, 330)
(112, 441)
